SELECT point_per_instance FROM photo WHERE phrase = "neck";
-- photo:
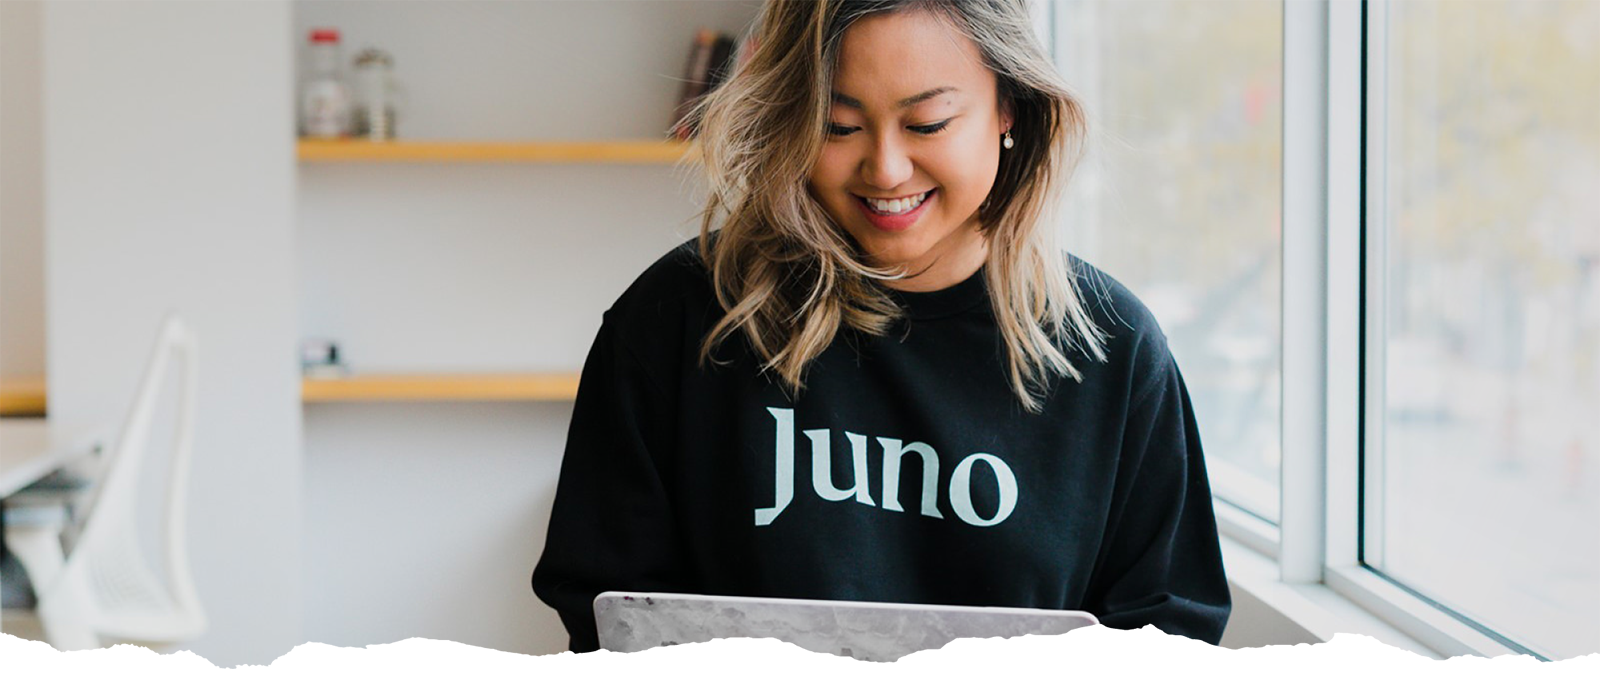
(949, 267)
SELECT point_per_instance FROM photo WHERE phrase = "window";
(1180, 199)
(1483, 447)
(1460, 161)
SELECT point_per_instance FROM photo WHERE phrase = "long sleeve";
(611, 528)
(1162, 563)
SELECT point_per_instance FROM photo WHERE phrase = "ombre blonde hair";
(789, 277)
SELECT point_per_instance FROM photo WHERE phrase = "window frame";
(1334, 251)
(1343, 47)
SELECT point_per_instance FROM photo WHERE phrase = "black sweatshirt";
(905, 471)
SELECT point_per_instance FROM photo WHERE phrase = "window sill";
(1330, 617)
(1243, 527)
(1316, 609)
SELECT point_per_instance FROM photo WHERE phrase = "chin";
(894, 254)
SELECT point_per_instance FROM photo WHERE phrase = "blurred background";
(394, 279)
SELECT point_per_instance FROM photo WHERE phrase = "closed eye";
(841, 130)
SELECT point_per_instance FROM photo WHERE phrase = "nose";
(887, 166)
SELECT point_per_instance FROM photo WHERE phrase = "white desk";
(31, 448)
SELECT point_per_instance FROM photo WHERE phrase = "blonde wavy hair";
(788, 276)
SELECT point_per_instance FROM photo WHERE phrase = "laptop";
(883, 632)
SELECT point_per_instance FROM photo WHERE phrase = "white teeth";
(896, 206)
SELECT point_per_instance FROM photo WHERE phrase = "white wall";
(431, 268)
(22, 349)
(530, 69)
(498, 267)
(427, 519)
(169, 185)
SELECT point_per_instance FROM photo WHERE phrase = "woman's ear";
(1006, 109)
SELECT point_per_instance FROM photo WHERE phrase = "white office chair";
(99, 586)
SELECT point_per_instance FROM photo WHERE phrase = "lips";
(899, 205)
(894, 214)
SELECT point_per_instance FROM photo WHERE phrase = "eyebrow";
(912, 101)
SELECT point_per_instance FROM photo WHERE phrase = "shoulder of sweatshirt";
(662, 293)
(661, 317)
(1134, 341)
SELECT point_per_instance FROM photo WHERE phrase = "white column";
(1305, 230)
(169, 185)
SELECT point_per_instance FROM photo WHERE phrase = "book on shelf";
(712, 59)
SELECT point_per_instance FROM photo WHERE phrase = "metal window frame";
(1305, 374)
(1334, 252)
(1356, 235)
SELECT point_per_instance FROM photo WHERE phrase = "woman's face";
(913, 146)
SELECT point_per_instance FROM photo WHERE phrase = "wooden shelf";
(19, 398)
(591, 152)
(25, 397)
(487, 387)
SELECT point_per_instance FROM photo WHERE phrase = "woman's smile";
(895, 214)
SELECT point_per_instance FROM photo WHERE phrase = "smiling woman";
(874, 273)
(904, 174)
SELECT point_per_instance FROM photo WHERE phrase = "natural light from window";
(1489, 495)
(1180, 199)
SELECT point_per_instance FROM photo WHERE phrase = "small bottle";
(325, 101)
(374, 87)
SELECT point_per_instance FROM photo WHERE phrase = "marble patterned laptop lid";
(677, 624)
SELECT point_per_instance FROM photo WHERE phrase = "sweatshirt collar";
(951, 300)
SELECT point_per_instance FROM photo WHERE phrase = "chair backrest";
(107, 552)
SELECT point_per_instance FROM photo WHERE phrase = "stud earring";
(1006, 141)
